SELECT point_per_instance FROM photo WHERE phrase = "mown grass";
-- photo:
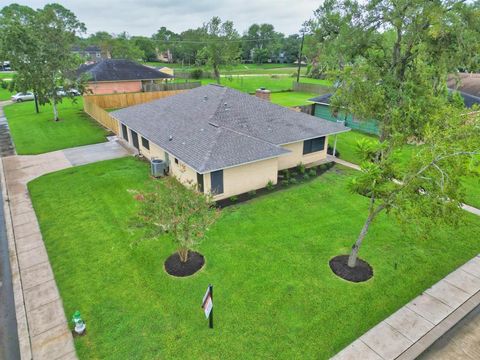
(34, 133)
(347, 146)
(275, 296)
(273, 83)
(291, 98)
(238, 68)
(5, 94)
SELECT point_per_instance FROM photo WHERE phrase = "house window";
(314, 145)
(124, 132)
(216, 179)
(200, 182)
(145, 143)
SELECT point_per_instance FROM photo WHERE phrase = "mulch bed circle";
(175, 267)
(361, 272)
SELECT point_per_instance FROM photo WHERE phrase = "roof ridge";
(208, 153)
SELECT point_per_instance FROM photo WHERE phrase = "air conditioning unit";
(158, 168)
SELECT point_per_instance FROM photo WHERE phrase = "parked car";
(26, 96)
(62, 92)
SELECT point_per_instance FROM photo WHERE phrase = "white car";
(26, 96)
(61, 92)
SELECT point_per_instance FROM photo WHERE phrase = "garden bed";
(286, 178)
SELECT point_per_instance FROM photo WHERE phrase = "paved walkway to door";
(43, 329)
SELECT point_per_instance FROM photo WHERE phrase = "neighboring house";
(468, 85)
(224, 141)
(118, 76)
(167, 70)
(321, 109)
(91, 53)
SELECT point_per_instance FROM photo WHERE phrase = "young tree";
(39, 46)
(170, 207)
(222, 46)
(397, 76)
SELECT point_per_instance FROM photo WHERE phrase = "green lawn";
(275, 296)
(273, 83)
(6, 75)
(347, 146)
(238, 68)
(37, 133)
(291, 98)
(5, 94)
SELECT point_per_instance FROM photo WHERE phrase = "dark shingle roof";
(214, 127)
(118, 70)
(468, 100)
(323, 99)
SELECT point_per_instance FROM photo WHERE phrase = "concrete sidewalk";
(43, 329)
(411, 330)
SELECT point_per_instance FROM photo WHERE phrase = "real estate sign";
(207, 305)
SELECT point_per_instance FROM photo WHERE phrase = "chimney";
(263, 93)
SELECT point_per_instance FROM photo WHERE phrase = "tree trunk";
(183, 254)
(352, 259)
(216, 73)
(55, 111)
(37, 110)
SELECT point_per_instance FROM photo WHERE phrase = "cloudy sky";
(144, 17)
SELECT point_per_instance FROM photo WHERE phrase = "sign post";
(207, 305)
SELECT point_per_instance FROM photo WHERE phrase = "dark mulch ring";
(175, 267)
(361, 272)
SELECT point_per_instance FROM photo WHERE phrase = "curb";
(22, 324)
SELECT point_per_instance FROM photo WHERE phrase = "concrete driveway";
(43, 331)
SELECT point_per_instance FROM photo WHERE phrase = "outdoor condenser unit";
(158, 168)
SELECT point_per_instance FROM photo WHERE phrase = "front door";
(135, 139)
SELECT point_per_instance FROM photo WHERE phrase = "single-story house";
(224, 141)
(321, 109)
(118, 76)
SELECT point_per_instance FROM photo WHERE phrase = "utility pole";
(300, 55)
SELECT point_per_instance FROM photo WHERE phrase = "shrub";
(306, 176)
(294, 174)
(270, 185)
(293, 181)
(301, 168)
(233, 198)
(196, 74)
(312, 172)
(330, 151)
(3, 84)
(252, 193)
(285, 182)
(286, 173)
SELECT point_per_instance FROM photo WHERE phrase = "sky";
(145, 17)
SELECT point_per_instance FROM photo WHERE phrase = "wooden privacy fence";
(121, 100)
(311, 88)
(171, 86)
(94, 105)
(100, 115)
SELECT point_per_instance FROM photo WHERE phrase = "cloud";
(145, 17)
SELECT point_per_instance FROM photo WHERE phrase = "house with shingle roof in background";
(119, 76)
(225, 141)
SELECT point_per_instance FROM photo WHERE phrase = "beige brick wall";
(296, 156)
